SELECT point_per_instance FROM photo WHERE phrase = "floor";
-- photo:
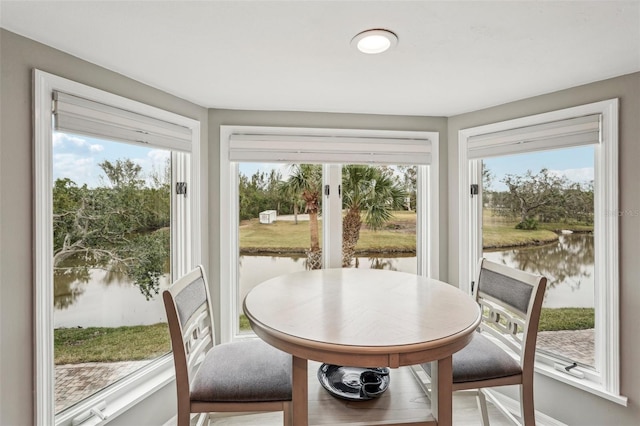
(404, 401)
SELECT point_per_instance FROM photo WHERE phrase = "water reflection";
(85, 297)
(567, 264)
(67, 285)
(400, 262)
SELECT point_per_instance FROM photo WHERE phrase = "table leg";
(300, 388)
(442, 384)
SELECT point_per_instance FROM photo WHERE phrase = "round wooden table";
(364, 318)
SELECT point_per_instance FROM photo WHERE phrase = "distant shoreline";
(399, 251)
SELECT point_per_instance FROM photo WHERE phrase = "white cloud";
(581, 175)
(158, 157)
(62, 140)
(79, 169)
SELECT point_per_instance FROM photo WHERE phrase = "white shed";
(268, 216)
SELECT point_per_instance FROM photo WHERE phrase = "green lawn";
(500, 231)
(288, 237)
(398, 236)
(566, 319)
(107, 344)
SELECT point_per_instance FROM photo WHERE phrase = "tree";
(113, 227)
(409, 182)
(579, 202)
(260, 192)
(531, 194)
(289, 194)
(367, 190)
(306, 180)
(123, 173)
(487, 182)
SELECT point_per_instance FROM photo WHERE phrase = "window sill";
(583, 384)
(122, 395)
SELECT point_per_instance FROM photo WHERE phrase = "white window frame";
(605, 381)
(117, 398)
(427, 249)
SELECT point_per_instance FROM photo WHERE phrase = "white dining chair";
(246, 376)
(502, 351)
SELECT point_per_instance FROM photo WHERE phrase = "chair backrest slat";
(194, 324)
(513, 344)
(198, 350)
(511, 302)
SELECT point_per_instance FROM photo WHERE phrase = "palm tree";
(290, 194)
(306, 180)
(366, 189)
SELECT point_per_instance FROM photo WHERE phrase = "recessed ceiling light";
(374, 41)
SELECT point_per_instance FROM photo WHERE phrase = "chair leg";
(184, 418)
(287, 412)
(482, 406)
(527, 408)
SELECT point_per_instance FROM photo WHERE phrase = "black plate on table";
(354, 383)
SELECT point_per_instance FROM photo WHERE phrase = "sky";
(77, 158)
(249, 169)
(577, 164)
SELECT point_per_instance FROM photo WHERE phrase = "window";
(538, 216)
(543, 155)
(259, 233)
(109, 223)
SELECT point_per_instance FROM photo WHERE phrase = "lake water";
(103, 299)
(567, 264)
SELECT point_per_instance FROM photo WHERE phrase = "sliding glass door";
(302, 199)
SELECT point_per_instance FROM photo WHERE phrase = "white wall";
(563, 402)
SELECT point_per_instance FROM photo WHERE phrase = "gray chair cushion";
(249, 371)
(481, 359)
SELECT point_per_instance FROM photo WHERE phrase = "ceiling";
(452, 56)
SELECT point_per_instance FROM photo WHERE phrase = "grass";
(244, 323)
(499, 231)
(555, 319)
(398, 236)
(497, 236)
(279, 236)
(284, 236)
(110, 344)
